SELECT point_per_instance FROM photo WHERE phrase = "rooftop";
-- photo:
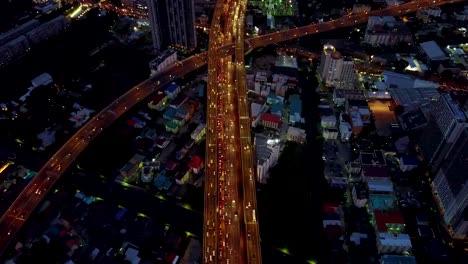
(195, 162)
(295, 103)
(399, 240)
(294, 131)
(432, 50)
(255, 109)
(161, 57)
(349, 94)
(277, 107)
(374, 159)
(412, 120)
(380, 186)
(382, 201)
(157, 98)
(172, 87)
(383, 218)
(271, 118)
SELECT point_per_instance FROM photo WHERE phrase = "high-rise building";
(444, 144)
(446, 121)
(172, 23)
(335, 70)
(451, 184)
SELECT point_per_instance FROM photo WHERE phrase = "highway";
(32, 195)
(221, 81)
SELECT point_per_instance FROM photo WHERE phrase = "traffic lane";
(232, 181)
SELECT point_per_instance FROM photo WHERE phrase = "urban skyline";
(231, 162)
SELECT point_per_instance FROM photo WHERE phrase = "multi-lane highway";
(41, 184)
(230, 246)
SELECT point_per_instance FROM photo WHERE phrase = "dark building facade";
(172, 23)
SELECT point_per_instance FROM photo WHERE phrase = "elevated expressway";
(32, 195)
(224, 237)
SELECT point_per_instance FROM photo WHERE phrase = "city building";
(426, 14)
(380, 186)
(386, 31)
(172, 90)
(164, 60)
(460, 230)
(271, 120)
(46, 8)
(345, 131)
(334, 70)
(196, 164)
(296, 134)
(267, 154)
(132, 165)
(256, 112)
(295, 109)
(183, 174)
(389, 226)
(169, 114)
(274, 99)
(432, 51)
(18, 41)
(357, 123)
(162, 142)
(373, 159)
(328, 121)
(354, 167)
(171, 126)
(341, 95)
(47, 30)
(447, 122)
(158, 101)
(359, 194)
(277, 109)
(451, 184)
(413, 98)
(147, 170)
(199, 132)
(172, 23)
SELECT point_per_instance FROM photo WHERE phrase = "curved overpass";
(40, 185)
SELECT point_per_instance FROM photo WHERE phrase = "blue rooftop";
(169, 113)
(380, 186)
(277, 107)
(162, 182)
(172, 87)
(295, 103)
